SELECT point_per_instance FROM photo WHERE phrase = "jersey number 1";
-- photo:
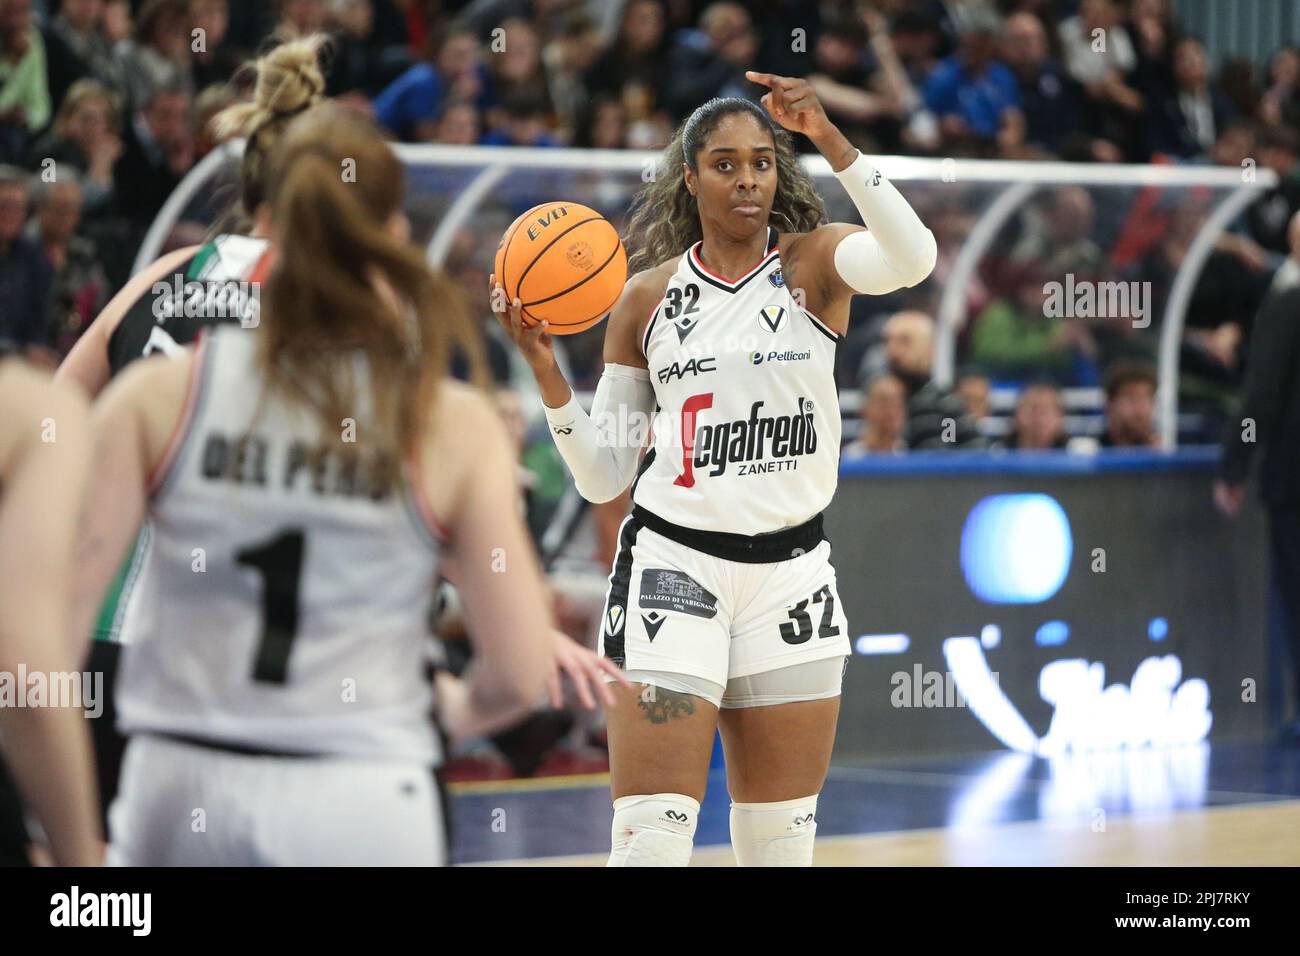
(280, 562)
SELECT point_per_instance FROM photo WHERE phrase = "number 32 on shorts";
(799, 629)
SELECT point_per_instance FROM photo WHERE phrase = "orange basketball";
(566, 265)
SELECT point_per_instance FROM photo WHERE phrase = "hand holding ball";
(566, 265)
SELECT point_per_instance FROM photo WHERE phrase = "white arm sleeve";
(600, 449)
(898, 251)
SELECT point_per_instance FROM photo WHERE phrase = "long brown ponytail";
(342, 283)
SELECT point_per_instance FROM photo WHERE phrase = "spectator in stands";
(213, 60)
(1268, 216)
(1279, 104)
(80, 287)
(76, 47)
(526, 122)
(158, 54)
(301, 18)
(210, 102)
(1099, 55)
(567, 58)
(884, 417)
(711, 60)
(25, 276)
(1270, 417)
(516, 69)
(1130, 389)
(849, 91)
(935, 415)
(24, 90)
(410, 105)
(1186, 122)
(159, 152)
(364, 58)
(1015, 339)
(1288, 273)
(458, 124)
(975, 96)
(1050, 99)
(1040, 420)
(1058, 236)
(603, 125)
(86, 136)
(975, 391)
(639, 54)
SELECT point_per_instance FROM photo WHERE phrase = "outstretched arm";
(898, 251)
(601, 448)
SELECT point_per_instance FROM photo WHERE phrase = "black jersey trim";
(822, 327)
(698, 267)
(620, 580)
(649, 328)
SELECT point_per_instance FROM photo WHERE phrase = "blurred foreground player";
(44, 451)
(139, 322)
(722, 602)
(305, 479)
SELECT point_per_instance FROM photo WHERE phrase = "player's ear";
(688, 175)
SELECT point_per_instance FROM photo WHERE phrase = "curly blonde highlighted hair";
(289, 81)
(666, 221)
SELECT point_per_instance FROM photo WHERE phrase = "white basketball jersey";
(747, 437)
(285, 598)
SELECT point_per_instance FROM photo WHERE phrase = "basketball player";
(304, 479)
(722, 603)
(139, 322)
(44, 451)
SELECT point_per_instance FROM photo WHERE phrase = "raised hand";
(792, 102)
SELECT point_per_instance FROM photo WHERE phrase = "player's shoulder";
(649, 285)
(32, 400)
(24, 387)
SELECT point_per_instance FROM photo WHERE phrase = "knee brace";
(653, 830)
(774, 834)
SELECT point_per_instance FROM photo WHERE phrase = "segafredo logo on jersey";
(234, 299)
(773, 317)
(758, 444)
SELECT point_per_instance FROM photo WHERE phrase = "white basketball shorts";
(182, 804)
(672, 607)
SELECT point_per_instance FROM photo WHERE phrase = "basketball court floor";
(1229, 804)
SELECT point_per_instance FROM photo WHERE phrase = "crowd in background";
(104, 107)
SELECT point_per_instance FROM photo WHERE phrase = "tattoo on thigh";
(660, 706)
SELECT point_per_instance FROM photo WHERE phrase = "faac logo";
(694, 366)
